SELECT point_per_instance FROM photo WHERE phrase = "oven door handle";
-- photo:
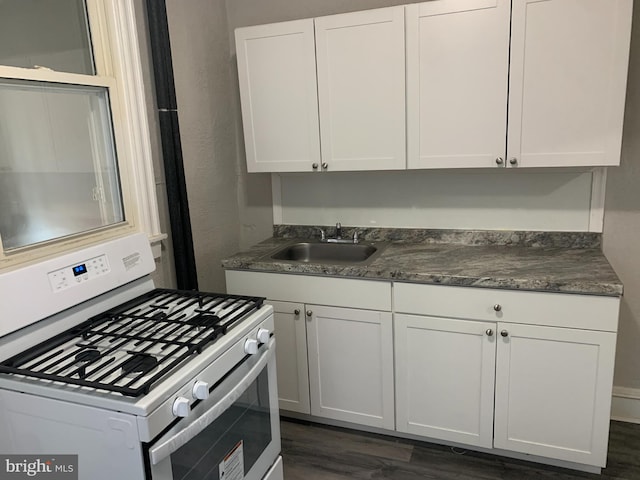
(166, 447)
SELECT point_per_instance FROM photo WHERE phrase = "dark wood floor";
(316, 452)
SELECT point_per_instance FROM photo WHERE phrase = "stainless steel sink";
(333, 253)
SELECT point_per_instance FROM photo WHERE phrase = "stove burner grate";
(139, 363)
(87, 356)
(130, 348)
(204, 320)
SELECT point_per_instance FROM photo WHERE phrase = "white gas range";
(140, 383)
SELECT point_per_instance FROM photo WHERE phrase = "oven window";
(235, 440)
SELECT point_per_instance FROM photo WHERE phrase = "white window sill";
(156, 244)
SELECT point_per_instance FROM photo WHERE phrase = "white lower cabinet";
(553, 392)
(523, 372)
(445, 372)
(552, 382)
(291, 356)
(351, 365)
(332, 362)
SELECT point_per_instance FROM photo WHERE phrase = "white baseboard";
(625, 404)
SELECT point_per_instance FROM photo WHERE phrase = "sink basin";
(340, 253)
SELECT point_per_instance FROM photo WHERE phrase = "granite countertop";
(538, 261)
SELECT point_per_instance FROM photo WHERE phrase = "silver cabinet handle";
(489, 332)
(325, 165)
(309, 313)
(513, 161)
(314, 166)
(504, 333)
(497, 307)
(296, 312)
(499, 161)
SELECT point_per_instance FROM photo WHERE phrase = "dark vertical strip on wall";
(181, 234)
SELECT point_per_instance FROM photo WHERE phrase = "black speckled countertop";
(549, 262)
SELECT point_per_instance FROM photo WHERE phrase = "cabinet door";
(567, 82)
(291, 356)
(457, 75)
(361, 87)
(553, 392)
(445, 378)
(278, 91)
(351, 365)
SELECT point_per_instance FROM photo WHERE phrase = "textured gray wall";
(202, 64)
(622, 224)
(255, 12)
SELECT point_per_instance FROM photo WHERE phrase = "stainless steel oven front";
(232, 435)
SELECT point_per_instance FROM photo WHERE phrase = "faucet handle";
(323, 236)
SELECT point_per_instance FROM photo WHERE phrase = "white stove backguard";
(37, 291)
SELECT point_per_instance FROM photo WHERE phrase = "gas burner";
(87, 355)
(139, 364)
(203, 320)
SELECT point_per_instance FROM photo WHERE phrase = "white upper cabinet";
(277, 75)
(477, 83)
(457, 71)
(567, 84)
(361, 90)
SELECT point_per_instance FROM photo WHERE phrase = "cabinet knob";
(497, 307)
(296, 312)
(499, 161)
(513, 161)
(504, 333)
(314, 166)
(325, 165)
(489, 332)
(309, 313)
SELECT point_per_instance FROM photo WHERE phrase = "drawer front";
(337, 292)
(589, 312)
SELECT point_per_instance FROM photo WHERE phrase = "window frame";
(118, 68)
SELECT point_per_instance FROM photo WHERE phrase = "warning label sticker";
(232, 466)
(131, 261)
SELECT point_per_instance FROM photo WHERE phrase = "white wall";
(491, 200)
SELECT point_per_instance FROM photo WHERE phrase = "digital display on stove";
(79, 270)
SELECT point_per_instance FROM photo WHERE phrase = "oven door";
(232, 435)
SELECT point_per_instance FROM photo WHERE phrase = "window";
(75, 163)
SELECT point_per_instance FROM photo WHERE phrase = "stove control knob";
(263, 335)
(181, 407)
(200, 390)
(251, 346)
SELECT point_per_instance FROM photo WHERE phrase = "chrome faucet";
(338, 238)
